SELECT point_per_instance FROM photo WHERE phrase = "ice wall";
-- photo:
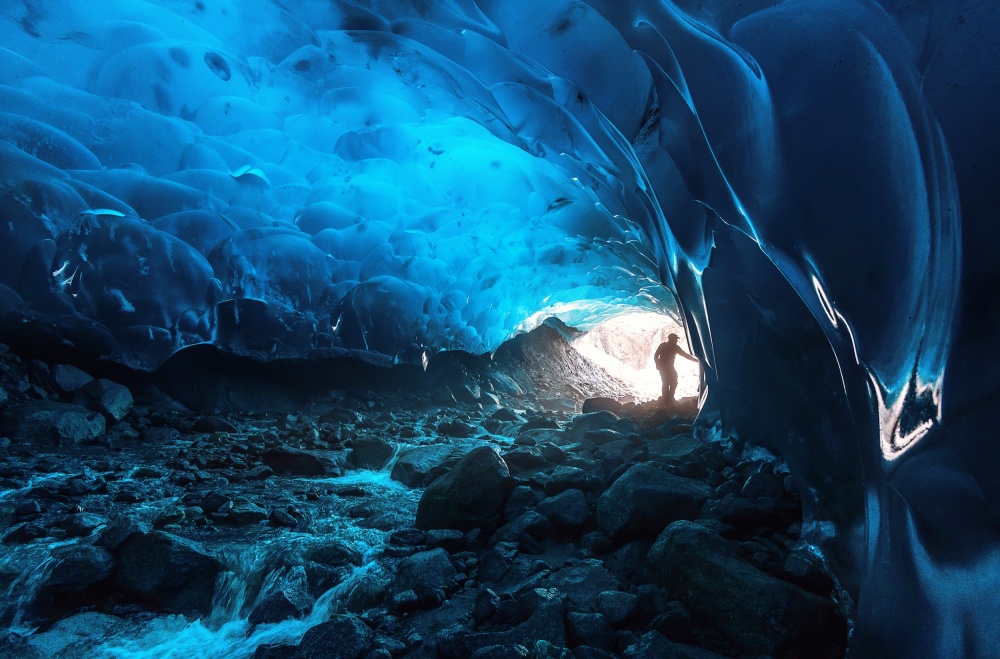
(813, 178)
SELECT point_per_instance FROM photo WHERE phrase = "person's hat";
(672, 336)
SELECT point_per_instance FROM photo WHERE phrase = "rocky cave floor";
(391, 525)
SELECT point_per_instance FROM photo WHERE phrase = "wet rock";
(287, 460)
(244, 513)
(168, 572)
(539, 422)
(75, 568)
(567, 510)
(645, 499)
(371, 453)
(25, 533)
(487, 605)
(523, 458)
(340, 637)
(66, 378)
(105, 397)
(72, 637)
(677, 447)
(212, 501)
(521, 499)
(427, 574)
(335, 554)
(418, 466)
(758, 613)
(807, 570)
(763, 484)
(48, 422)
(290, 599)
(471, 495)
(80, 525)
(281, 518)
(119, 530)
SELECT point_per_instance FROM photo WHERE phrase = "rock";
(244, 513)
(75, 636)
(678, 447)
(744, 514)
(545, 624)
(168, 572)
(539, 422)
(289, 599)
(66, 379)
(583, 582)
(119, 530)
(529, 524)
(25, 533)
(210, 424)
(602, 420)
(471, 495)
(487, 605)
(645, 499)
(501, 652)
(287, 460)
(758, 613)
(106, 397)
(568, 478)
(281, 519)
(335, 554)
(80, 525)
(456, 428)
(567, 510)
(212, 501)
(76, 568)
(600, 404)
(617, 606)
(590, 629)
(371, 453)
(764, 484)
(807, 570)
(340, 637)
(418, 466)
(428, 574)
(520, 500)
(48, 422)
(654, 645)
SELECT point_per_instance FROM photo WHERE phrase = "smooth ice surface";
(814, 178)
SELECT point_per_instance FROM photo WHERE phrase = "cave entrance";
(624, 345)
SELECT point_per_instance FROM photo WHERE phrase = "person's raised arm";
(686, 356)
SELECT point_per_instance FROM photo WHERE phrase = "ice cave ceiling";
(813, 179)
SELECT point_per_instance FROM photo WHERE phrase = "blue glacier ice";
(807, 184)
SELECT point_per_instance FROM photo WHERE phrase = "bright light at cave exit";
(624, 347)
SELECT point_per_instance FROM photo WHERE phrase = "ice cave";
(327, 328)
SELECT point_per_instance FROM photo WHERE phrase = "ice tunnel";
(806, 185)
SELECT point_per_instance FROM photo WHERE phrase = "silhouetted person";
(664, 359)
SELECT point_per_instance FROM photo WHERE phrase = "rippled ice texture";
(814, 178)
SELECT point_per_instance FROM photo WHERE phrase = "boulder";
(340, 637)
(590, 629)
(168, 572)
(105, 397)
(287, 460)
(545, 624)
(418, 466)
(471, 495)
(47, 422)
(427, 574)
(66, 379)
(74, 568)
(602, 420)
(617, 606)
(601, 404)
(567, 510)
(758, 613)
(289, 598)
(371, 453)
(654, 645)
(583, 582)
(645, 499)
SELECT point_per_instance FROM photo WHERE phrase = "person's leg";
(664, 386)
(669, 384)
